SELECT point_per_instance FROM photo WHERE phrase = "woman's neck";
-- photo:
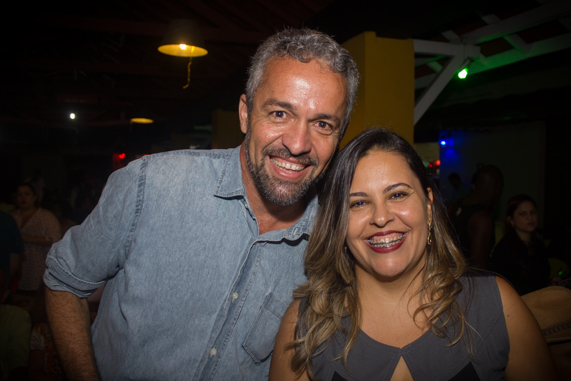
(524, 236)
(28, 212)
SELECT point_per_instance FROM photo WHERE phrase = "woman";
(39, 229)
(520, 255)
(387, 296)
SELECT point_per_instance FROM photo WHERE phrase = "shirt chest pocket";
(260, 340)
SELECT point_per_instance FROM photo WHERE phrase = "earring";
(429, 238)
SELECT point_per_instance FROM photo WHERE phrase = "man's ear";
(243, 113)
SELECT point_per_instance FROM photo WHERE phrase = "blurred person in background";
(39, 229)
(520, 256)
(473, 219)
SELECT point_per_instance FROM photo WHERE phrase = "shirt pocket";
(260, 340)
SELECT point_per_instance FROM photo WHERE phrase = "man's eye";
(279, 114)
(323, 124)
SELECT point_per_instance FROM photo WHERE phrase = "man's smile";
(282, 164)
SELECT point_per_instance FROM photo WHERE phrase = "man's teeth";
(290, 166)
(384, 243)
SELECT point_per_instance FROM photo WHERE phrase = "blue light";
(443, 142)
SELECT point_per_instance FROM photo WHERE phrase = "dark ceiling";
(99, 59)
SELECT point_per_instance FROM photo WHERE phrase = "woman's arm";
(280, 369)
(529, 357)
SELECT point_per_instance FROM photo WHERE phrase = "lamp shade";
(183, 39)
(141, 116)
(142, 120)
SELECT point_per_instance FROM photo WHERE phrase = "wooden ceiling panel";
(102, 56)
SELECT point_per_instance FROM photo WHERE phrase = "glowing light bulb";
(182, 46)
(443, 142)
(463, 73)
(72, 116)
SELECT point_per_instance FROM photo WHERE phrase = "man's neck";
(270, 216)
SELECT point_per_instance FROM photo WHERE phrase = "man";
(200, 250)
(473, 219)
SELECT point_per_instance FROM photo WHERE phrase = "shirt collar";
(231, 185)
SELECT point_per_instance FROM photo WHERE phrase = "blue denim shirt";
(193, 292)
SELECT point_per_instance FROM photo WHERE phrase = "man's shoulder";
(184, 157)
(183, 162)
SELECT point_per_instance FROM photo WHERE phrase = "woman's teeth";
(384, 243)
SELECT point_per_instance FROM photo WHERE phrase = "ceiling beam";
(97, 24)
(540, 15)
(58, 65)
(481, 64)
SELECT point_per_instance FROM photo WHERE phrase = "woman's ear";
(429, 203)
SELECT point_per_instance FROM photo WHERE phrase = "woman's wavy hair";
(331, 288)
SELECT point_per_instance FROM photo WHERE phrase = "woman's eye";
(357, 204)
(398, 195)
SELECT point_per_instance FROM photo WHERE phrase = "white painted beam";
(442, 79)
(445, 48)
(513, 39)
(482, 63)
(538, 48)
(540, 15)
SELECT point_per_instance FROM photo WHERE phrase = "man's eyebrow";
(275, 102)
(391, 187)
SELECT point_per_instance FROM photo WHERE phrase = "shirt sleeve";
(93, 252)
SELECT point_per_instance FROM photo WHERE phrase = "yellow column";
(386, 91)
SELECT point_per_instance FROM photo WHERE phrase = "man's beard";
(278, 191)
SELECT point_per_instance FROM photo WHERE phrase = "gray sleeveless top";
(431, 357)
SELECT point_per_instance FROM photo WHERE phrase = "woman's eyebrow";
(358, 194)
(391, 187)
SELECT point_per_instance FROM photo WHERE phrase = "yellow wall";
(386, 91)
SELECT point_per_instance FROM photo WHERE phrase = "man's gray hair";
(304, 45)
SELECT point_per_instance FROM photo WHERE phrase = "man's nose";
(297, 138)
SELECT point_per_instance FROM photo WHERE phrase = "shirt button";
(235, 296)
(212, 351)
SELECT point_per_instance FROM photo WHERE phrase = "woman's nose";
(381, 216)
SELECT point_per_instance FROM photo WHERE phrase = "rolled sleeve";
(90, 254)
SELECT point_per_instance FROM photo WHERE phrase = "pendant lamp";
(183, 39)
(141, 116)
